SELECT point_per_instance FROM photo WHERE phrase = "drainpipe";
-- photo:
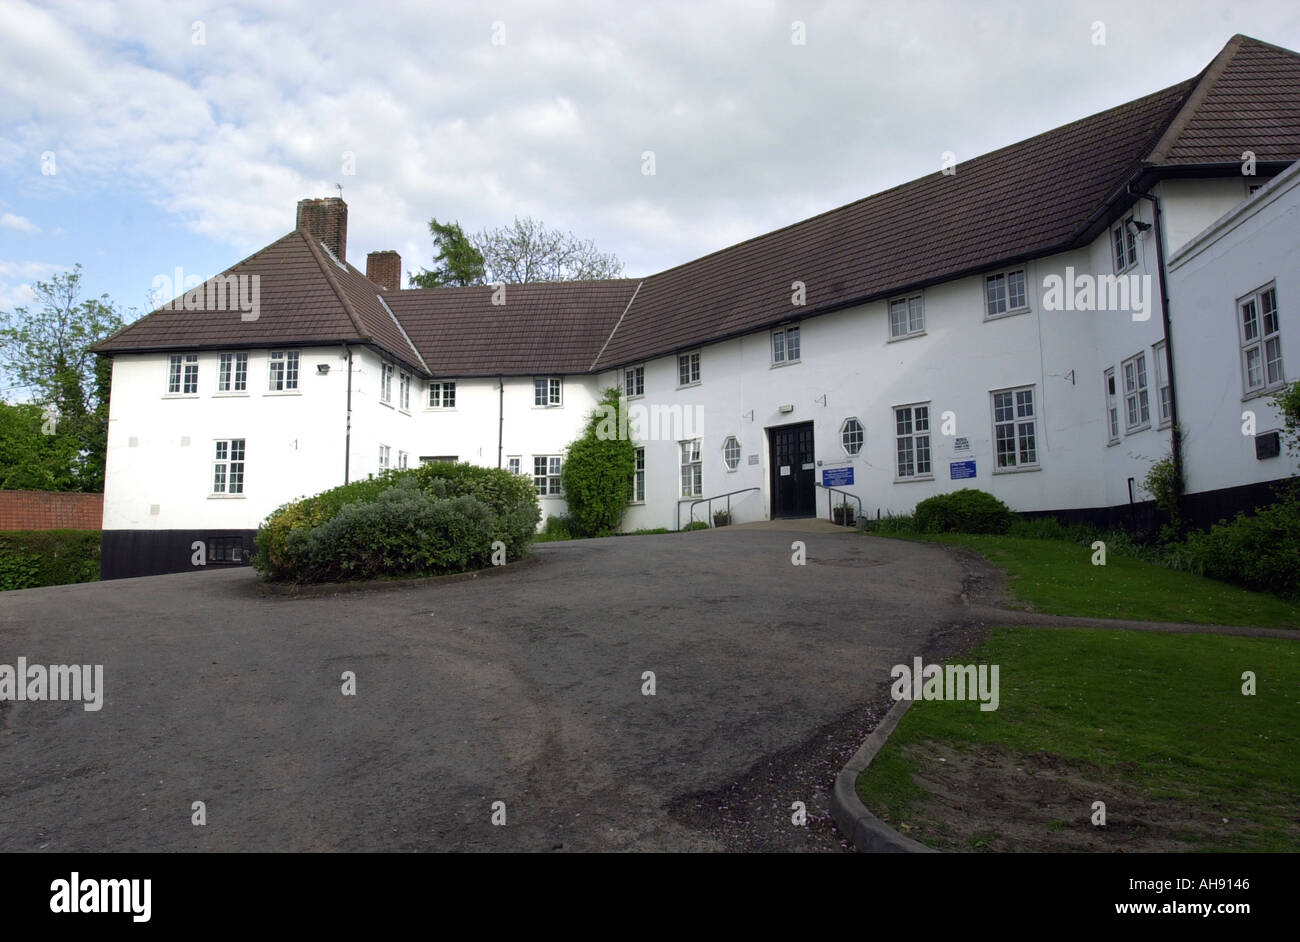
(347, 437)
(501, 416)
(1175, 433)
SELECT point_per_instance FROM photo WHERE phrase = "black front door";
(794, 472)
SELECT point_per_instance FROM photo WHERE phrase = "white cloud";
(10, 221)
(749, 131)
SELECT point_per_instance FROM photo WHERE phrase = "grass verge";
(1154, 725)
(1058, 578)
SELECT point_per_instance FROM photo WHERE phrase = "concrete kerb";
(869, 834)
(294, 591)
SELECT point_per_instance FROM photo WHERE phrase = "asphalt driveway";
(523, 686)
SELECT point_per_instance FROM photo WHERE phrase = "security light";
(322, 368)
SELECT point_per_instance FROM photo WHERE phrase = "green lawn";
(1057, 577)
(1160, 719)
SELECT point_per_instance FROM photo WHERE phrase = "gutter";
(501, 415)
(1175, 433)
(347, 437)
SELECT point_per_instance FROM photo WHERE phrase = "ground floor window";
(912, 440)
(692, 469)
(228, 467)
(1015, 428)
(546, 474)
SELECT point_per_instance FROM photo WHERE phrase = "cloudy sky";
(139, 137)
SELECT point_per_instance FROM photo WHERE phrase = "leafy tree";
(35, 454)
(460, 262)
(1288, 402)
(598, 470)
(528, 251)
(47, 348)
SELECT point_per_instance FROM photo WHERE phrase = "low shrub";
(558, 527)
(891, 525)
(1259, 551)
(965, 511)
(30, 559)
(695, 525)
(439, 518)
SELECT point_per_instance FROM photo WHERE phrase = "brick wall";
(50, 510)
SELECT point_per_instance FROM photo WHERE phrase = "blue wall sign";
(836, 477)
(958, 470)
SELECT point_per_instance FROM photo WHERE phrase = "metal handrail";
(830, 500)
(709, 500)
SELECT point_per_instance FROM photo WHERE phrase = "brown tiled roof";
(1248, 99)
(554, 327)
(1021, 200)
(304, 297)
(1039, 196)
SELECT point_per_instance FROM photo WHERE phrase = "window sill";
(387, 405)
(1164, 425)
(1144, 427)
(404, 411)
(1112, 443)
(180, 395)
(550, 497)
(226, 497)
(1005, 314)
(639, 395)
(282, 392)
(230, 395)
(919, 477)
(1258, 393)
(636, 503)
(556, 406)
(1126, 269)
(439, 408)
(784, 363)
(1023, 469)
(688, 385)
(911, 336)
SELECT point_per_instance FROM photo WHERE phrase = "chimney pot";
(326, 220)
(385, 269)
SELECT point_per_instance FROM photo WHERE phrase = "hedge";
(33, 558)
(439, 518)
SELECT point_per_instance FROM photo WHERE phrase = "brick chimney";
(385, 269)
(326, 220)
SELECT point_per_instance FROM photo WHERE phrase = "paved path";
(523, 686)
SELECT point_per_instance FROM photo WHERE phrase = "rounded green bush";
(440, 518)
(965, 511)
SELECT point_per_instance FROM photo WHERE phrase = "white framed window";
(852, 435)
(514, 464)
(547, 391)
(386, 383)
(232, 372)
(384, 452)
(228, 466)
(692, 469)
(1112, 406)
(731, 453)
(1123, 245)
(404, 392)
(906, 317)
(546, 474)
(1164, 395)
(638, 478)
(1005, 293)
(912, 441)
(1261, 341)
(183, 374)
(1015, 429)
(1137, 399)
(282, 370)
(688, 369)
(442, 395)
(403, 460)
(634, 381)
(785, 346)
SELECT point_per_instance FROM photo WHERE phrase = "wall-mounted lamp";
(1139, 226)
(322, 368)
(785, 409)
